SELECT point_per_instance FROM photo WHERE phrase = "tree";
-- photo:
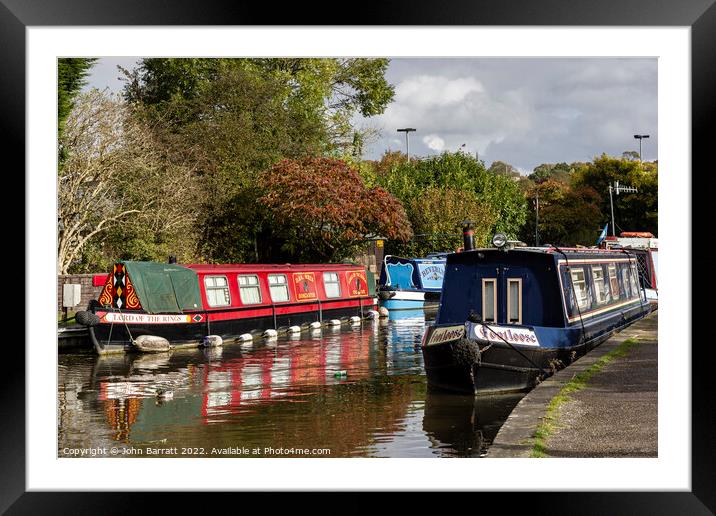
(567, 216)
(71, 76)
(325, 91)
(557, 171)
(371, 170)
(630, 155)
(234, 118)
(114, 178)
(318, 209)
(498, 194)
(436, 219)
(500, 167)
(632, 211)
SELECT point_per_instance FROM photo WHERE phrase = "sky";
(523, 111)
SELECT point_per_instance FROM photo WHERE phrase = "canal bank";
(603, 405)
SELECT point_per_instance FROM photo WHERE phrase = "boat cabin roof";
(258, 267)
(175, 288)
(570, 253)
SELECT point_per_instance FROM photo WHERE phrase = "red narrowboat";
(184, 304)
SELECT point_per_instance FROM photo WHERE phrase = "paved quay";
(614, 415)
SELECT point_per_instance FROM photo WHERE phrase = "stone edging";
(516, 436)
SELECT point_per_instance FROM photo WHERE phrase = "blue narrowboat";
(411, 283)
(511, 316)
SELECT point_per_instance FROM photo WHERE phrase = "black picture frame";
(699, 15)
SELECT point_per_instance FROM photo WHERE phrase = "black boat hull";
(499, 369)
(118, 336)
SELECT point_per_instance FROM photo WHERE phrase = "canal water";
(341, 392)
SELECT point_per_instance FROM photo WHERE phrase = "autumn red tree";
(319, 209)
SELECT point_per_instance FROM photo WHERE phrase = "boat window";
(249, 289)
(514, 301)
(626, 290)
(579, 284)
(633, 281)
(331, 284)
(278, 285)
(489, 300)
(217, 290)
(643, 270)
(600, 286)
(613, 282)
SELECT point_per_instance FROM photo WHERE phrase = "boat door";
(502, 296)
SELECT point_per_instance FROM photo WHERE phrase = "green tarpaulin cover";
(165, 288)
(371, 282)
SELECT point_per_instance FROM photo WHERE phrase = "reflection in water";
(357, 391)
(464, 426)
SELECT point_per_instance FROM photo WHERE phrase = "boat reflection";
(270, 373)
(464, 425)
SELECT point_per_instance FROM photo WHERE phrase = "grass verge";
(579, 382)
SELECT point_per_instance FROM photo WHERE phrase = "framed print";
(36, 478)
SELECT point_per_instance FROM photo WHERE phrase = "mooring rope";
(511, 346)
(131, 339)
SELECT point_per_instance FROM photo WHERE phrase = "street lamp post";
(407, 130)
(640, 137)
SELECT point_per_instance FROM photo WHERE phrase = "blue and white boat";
(511, 316)
(410, 283)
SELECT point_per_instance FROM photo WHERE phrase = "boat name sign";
(523, 336)
(114, 317)
(445, 334)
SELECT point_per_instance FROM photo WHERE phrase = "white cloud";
(428, 90)
(434, 142)
(524, 111)
(460, 110)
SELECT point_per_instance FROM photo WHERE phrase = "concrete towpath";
(613, 414)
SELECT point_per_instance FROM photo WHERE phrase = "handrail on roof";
(580, 249)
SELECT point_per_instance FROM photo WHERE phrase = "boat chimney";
(468, 233)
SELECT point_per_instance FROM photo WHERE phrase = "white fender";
(152, 344)
(211, 341)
